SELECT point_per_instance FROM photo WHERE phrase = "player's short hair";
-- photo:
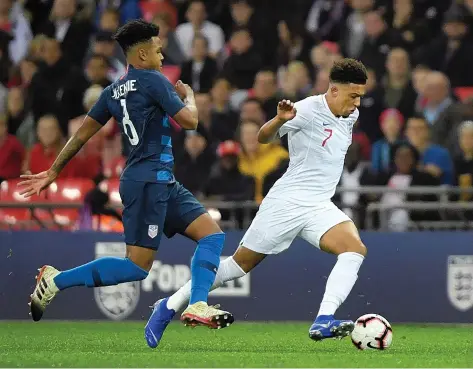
(347, 71)
(135, 32)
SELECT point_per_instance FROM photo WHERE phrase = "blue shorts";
(151, 209)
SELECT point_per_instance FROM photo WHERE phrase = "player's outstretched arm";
(35, 183)
(286, 112)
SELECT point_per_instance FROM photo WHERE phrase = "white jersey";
(318, 142)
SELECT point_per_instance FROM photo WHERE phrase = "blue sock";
(204, 266)
(106, 271)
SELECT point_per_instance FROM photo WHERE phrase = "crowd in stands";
(241, 57)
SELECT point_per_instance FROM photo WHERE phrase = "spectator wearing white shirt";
(13, 20)
(197, 23)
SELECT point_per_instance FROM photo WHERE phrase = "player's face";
(154, 58)
(347, 97)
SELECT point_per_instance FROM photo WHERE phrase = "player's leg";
(143, 219)
(334, 232)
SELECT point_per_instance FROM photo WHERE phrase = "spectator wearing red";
(51, 142)
(11, 153)
(391, 122)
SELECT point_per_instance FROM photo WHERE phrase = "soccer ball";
(372, 331)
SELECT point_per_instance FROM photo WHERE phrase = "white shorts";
(279, 222)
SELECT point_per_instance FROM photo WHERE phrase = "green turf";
(119, 344)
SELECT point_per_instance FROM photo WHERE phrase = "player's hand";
(286, 110)
(183, 90)
(35, 183)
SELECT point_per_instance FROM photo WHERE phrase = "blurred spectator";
(437, 95)
(294, 43)
(446, 128)
(296, 85)
(197, 23)
(192, 166)
(5, 62)
(224, 119)
(200, 71)
(265, 90)
(398, 90)
(258, 160)
(172, 52)
(226, 182)
(106, 46)
(322, 82)
(71, 32)
(323, 55)
(451, 52)
(11, 153)
(274, 175)
(379, 40)
(20, 119)
(419, 79)
(405, 175)
(370, 109)
(43, 154)
(354, 35)
(414, 31)
(96, 71)
(464, 161)
(104, 144)
(151, 8)
(435, 159)
(260, 25)
(391, 122)
(251, 109)
(128, 9)
(109, 20)
(54, 86)
(355, 174)
(13, 21)
(325, 19)
(244, 61)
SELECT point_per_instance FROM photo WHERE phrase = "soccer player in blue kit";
(142, 101)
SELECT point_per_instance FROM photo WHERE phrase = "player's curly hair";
(135, 32)
(348, 71)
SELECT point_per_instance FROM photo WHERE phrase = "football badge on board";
(119, 301)
(460, 281)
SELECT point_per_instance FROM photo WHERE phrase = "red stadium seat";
(67, 191)
(14, 217)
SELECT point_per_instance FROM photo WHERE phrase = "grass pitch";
(121, 344)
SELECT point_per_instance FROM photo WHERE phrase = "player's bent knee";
(247, 259)
(141, 256)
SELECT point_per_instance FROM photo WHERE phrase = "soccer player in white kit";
(319, 130)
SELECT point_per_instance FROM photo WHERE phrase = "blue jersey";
(142, 102)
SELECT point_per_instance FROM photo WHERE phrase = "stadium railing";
(231, 215)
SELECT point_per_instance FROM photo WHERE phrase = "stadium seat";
(71, 190)
(15, 218)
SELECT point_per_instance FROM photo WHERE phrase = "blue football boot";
(326, 326)
(158, 321)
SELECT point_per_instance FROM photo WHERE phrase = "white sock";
(227, 271)
(340, 282)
